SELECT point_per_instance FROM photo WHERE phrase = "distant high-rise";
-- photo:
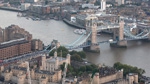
(120, 2)
(103, 4)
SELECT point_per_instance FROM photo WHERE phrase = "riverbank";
(11, 9)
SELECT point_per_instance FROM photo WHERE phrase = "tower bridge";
(120, 35)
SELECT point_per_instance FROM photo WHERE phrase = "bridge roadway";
(99, 28)
(85, 44)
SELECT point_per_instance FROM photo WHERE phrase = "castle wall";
(107, 78)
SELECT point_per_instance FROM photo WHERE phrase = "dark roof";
(20, 68)
(12, 43)
(105, 71)
(81, 16)
(44, 72)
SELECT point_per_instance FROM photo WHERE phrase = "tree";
(83, 68)
(73, 52)
(128, 69)
(89, 68)
(82, 54)
(61, 48)
(76, 57)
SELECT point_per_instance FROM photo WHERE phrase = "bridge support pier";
(120, 44)
(118, 35)
(93, 48)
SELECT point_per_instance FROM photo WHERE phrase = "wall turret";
(96, 78)
(55, 54)
(68, 58)
(7, 75)
(56, 63)
(43, 63)
(32, 74)
(43, 80)
(21, 78)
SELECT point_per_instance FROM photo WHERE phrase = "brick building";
(36, 44)
(16, 41)
(14, 47)
(13, 32)
(1, 35)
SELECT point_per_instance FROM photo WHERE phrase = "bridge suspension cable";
(76, 40)
(84, 40)
(127, 33)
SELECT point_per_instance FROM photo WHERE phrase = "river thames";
(137, 53)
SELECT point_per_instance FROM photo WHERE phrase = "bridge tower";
(118, 35)
(91, 27)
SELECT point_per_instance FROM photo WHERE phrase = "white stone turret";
(1, 68)
(43, 62)
(59, 75)
(133, 78)
(32, 74)
(7, 75)
(43, 80)
(21, 78)
(75, 79)
(96, 78)
(56, 63)
(55, 54)
(68, 58)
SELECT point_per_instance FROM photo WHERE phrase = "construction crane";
(28, 72)
(64, 73)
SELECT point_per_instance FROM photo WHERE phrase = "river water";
(137, 53)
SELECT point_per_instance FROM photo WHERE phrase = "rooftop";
(81, 16)
(54, 59)
(45, 72)
(20, 68)
(13, 42)
(105, 71)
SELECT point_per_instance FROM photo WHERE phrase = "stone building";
(19, 75)
(51, 64)
(37, 44)
(14, 48)
(48, 73)
(16, 41)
